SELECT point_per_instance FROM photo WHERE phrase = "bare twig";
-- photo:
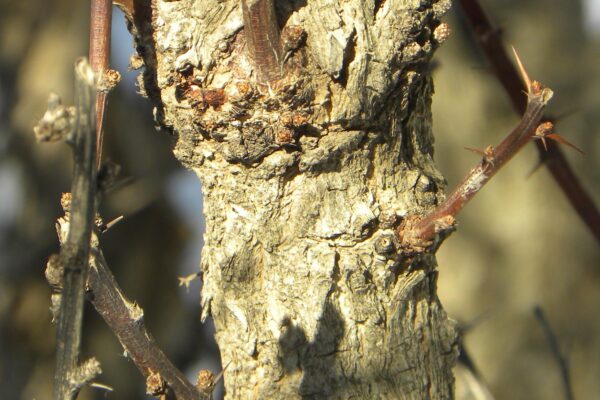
(100, 23)
(263, 38)
(491, 44)
(126, 321)
(418, 233)
(74, 252)
(562, 361)
(472, 379)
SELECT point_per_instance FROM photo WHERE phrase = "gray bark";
(304, 182)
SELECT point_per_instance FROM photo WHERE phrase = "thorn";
(104, 228)
(543, 139)
(101, 386)
(478, 151)
(218, 377)
(557, 138)
(544, 130)
(186, 280)
(523, 71)
(487, 154)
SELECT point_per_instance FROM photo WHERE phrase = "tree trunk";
(306, 173)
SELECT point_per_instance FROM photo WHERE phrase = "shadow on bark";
(285, 9)
(316, 359)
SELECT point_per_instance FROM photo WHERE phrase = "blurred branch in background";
(561, 360)
(74, 254)
(490, 42)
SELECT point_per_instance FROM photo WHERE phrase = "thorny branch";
(490, 42)
(563, 364)
(126, 320)
(122, 316)
(74, 253)
(417, 233)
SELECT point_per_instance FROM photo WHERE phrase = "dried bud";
(57, 123)
(206, 381)
(109, 80)
(155, 384)
(536, 88)
(284, 136)
(294, 120)
(544, 129)
(299, 120)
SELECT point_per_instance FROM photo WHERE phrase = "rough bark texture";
(304, 181)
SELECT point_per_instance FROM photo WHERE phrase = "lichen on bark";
(305, 178)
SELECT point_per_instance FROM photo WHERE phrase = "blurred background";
(519, 243)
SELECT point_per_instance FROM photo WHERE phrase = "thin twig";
(418, 233)
(74, 253)
(263, 38)
(99, 54)
(561, 360)
(490, 43)
(126, 320)
(473, 380)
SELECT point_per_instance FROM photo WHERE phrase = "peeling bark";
(305, 178)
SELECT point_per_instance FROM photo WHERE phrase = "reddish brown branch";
(126, 321)
(263, 38)
(491, 44)
(418, 233)
(99, 55)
